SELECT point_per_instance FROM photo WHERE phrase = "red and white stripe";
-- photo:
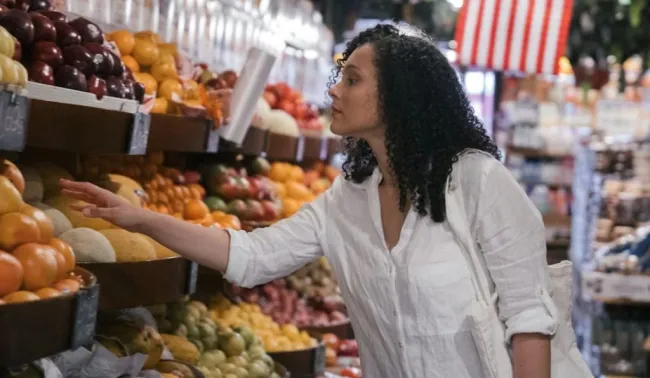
(513, 35)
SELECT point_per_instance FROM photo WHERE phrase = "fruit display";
(315, 279)
(66, 53)
(286, 306)
(194, 335)
(274, 336)
(34, 262)
(246, 193)
(285, 101)
(339, 348)
(13, 72)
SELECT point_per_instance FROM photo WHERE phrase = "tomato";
(351, 372)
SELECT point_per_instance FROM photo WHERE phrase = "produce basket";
(342, 330)
(179, 134)
(255, 141)
(146, 283)
(38, 329)
(281, 147)
(334, 146)
(306, 363)
(314, 148)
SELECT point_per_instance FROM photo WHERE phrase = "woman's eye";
(350, 81)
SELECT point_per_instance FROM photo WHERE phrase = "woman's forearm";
(531, 355)
(207, 246)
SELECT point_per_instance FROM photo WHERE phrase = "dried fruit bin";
(306, 363)
(145, 283)
(38, 329)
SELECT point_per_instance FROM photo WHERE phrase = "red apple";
(88, 31)
(54, 15)
(287, 106)
(129, 90)
(41, 72)
(47, 52)
(138, 91)
(228, 189)
(66, 35)
(44, 29)
(271, 211)
(37, 5)
(79, 57)
(71, 78)
(115, 87)
(19, 24)
(97, 86)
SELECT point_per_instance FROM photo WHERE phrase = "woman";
(383, 226)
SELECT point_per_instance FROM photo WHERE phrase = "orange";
(47, 292)
(162, 198)
(280, 172)
(310, 177)
(149, 35)
(145, 52)
(67, 286)
(320, 185)
(298, 191)
(280, 189)
(178, 206)
(17, 228)
(60, 263)
(195, 209)
(66, 251)
(217, 215)
(331, 173)
(170, 87)
(196, 191)
(10, 197)
(163, 209)
(11, 274)
(160, 106)
(124, 40)
(207, 221)
(296, 174)
(150, 84)
(133, 65)
(290, 206)
(230, 221)
(163, 70)
(21, 296)
(43, 221)
(178, 215)
(39, 265)
(191, 90)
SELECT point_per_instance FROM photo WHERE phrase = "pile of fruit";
(246, 193)
(69, 54)
(274, 337)
(347, 350)
(195, 336)
(34, 264)
(282, 97)
(284, 305)
(315, 279)
(12, 71)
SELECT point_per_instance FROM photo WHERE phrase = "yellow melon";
(129, 246)
(76, 218)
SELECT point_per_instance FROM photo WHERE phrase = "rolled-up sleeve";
(510, 233)
(266, 254)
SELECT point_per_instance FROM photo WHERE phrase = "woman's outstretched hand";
(101, 203)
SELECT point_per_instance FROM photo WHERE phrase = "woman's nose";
(333, 91)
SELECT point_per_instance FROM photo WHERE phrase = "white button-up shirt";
(408, 306)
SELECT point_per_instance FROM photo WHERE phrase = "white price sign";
(618, 117)
(614, 286)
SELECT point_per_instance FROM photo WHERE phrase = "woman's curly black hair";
(427, 115)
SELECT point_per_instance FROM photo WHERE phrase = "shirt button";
(400, 345)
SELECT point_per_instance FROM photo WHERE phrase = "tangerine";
(230, 221)
(10, 197)
(67, 286)
(39, 263)
(60, 263)
(17, 228)
(195, 209)
(131, 63)
(145, 52)
(170, 87)
(70, 260)
(124, 40)
(11, 274)
(150, 84)
(43, 221)
(47, 292)
(290, 206)
(163, 70)
(20, 297)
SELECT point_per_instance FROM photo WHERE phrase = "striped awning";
(513, 35)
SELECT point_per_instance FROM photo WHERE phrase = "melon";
(128, 189)
(51, 174)
(34, 190)
(60, 222)
(89, 245)
(129, 246)
(77, 219)
(162, 252)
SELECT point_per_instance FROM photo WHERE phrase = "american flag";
(513, 35)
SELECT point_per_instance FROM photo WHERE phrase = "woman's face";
(354, 98)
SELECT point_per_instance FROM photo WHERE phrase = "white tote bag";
(488, 331)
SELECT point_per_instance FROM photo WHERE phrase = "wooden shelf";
(178, 134)
(536, 154)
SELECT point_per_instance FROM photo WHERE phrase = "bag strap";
(457, 218)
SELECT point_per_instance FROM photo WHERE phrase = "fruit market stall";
(119, 99)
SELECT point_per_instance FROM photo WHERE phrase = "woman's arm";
(247, 259)
(510, 233)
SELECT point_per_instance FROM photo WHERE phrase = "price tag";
(614, 286)
(300, 149)
(85, 317)
(525, 112)
(139, 134)
(14, 113)
(617, 117)
(212, 141)
(319, 359)
(192, 277)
